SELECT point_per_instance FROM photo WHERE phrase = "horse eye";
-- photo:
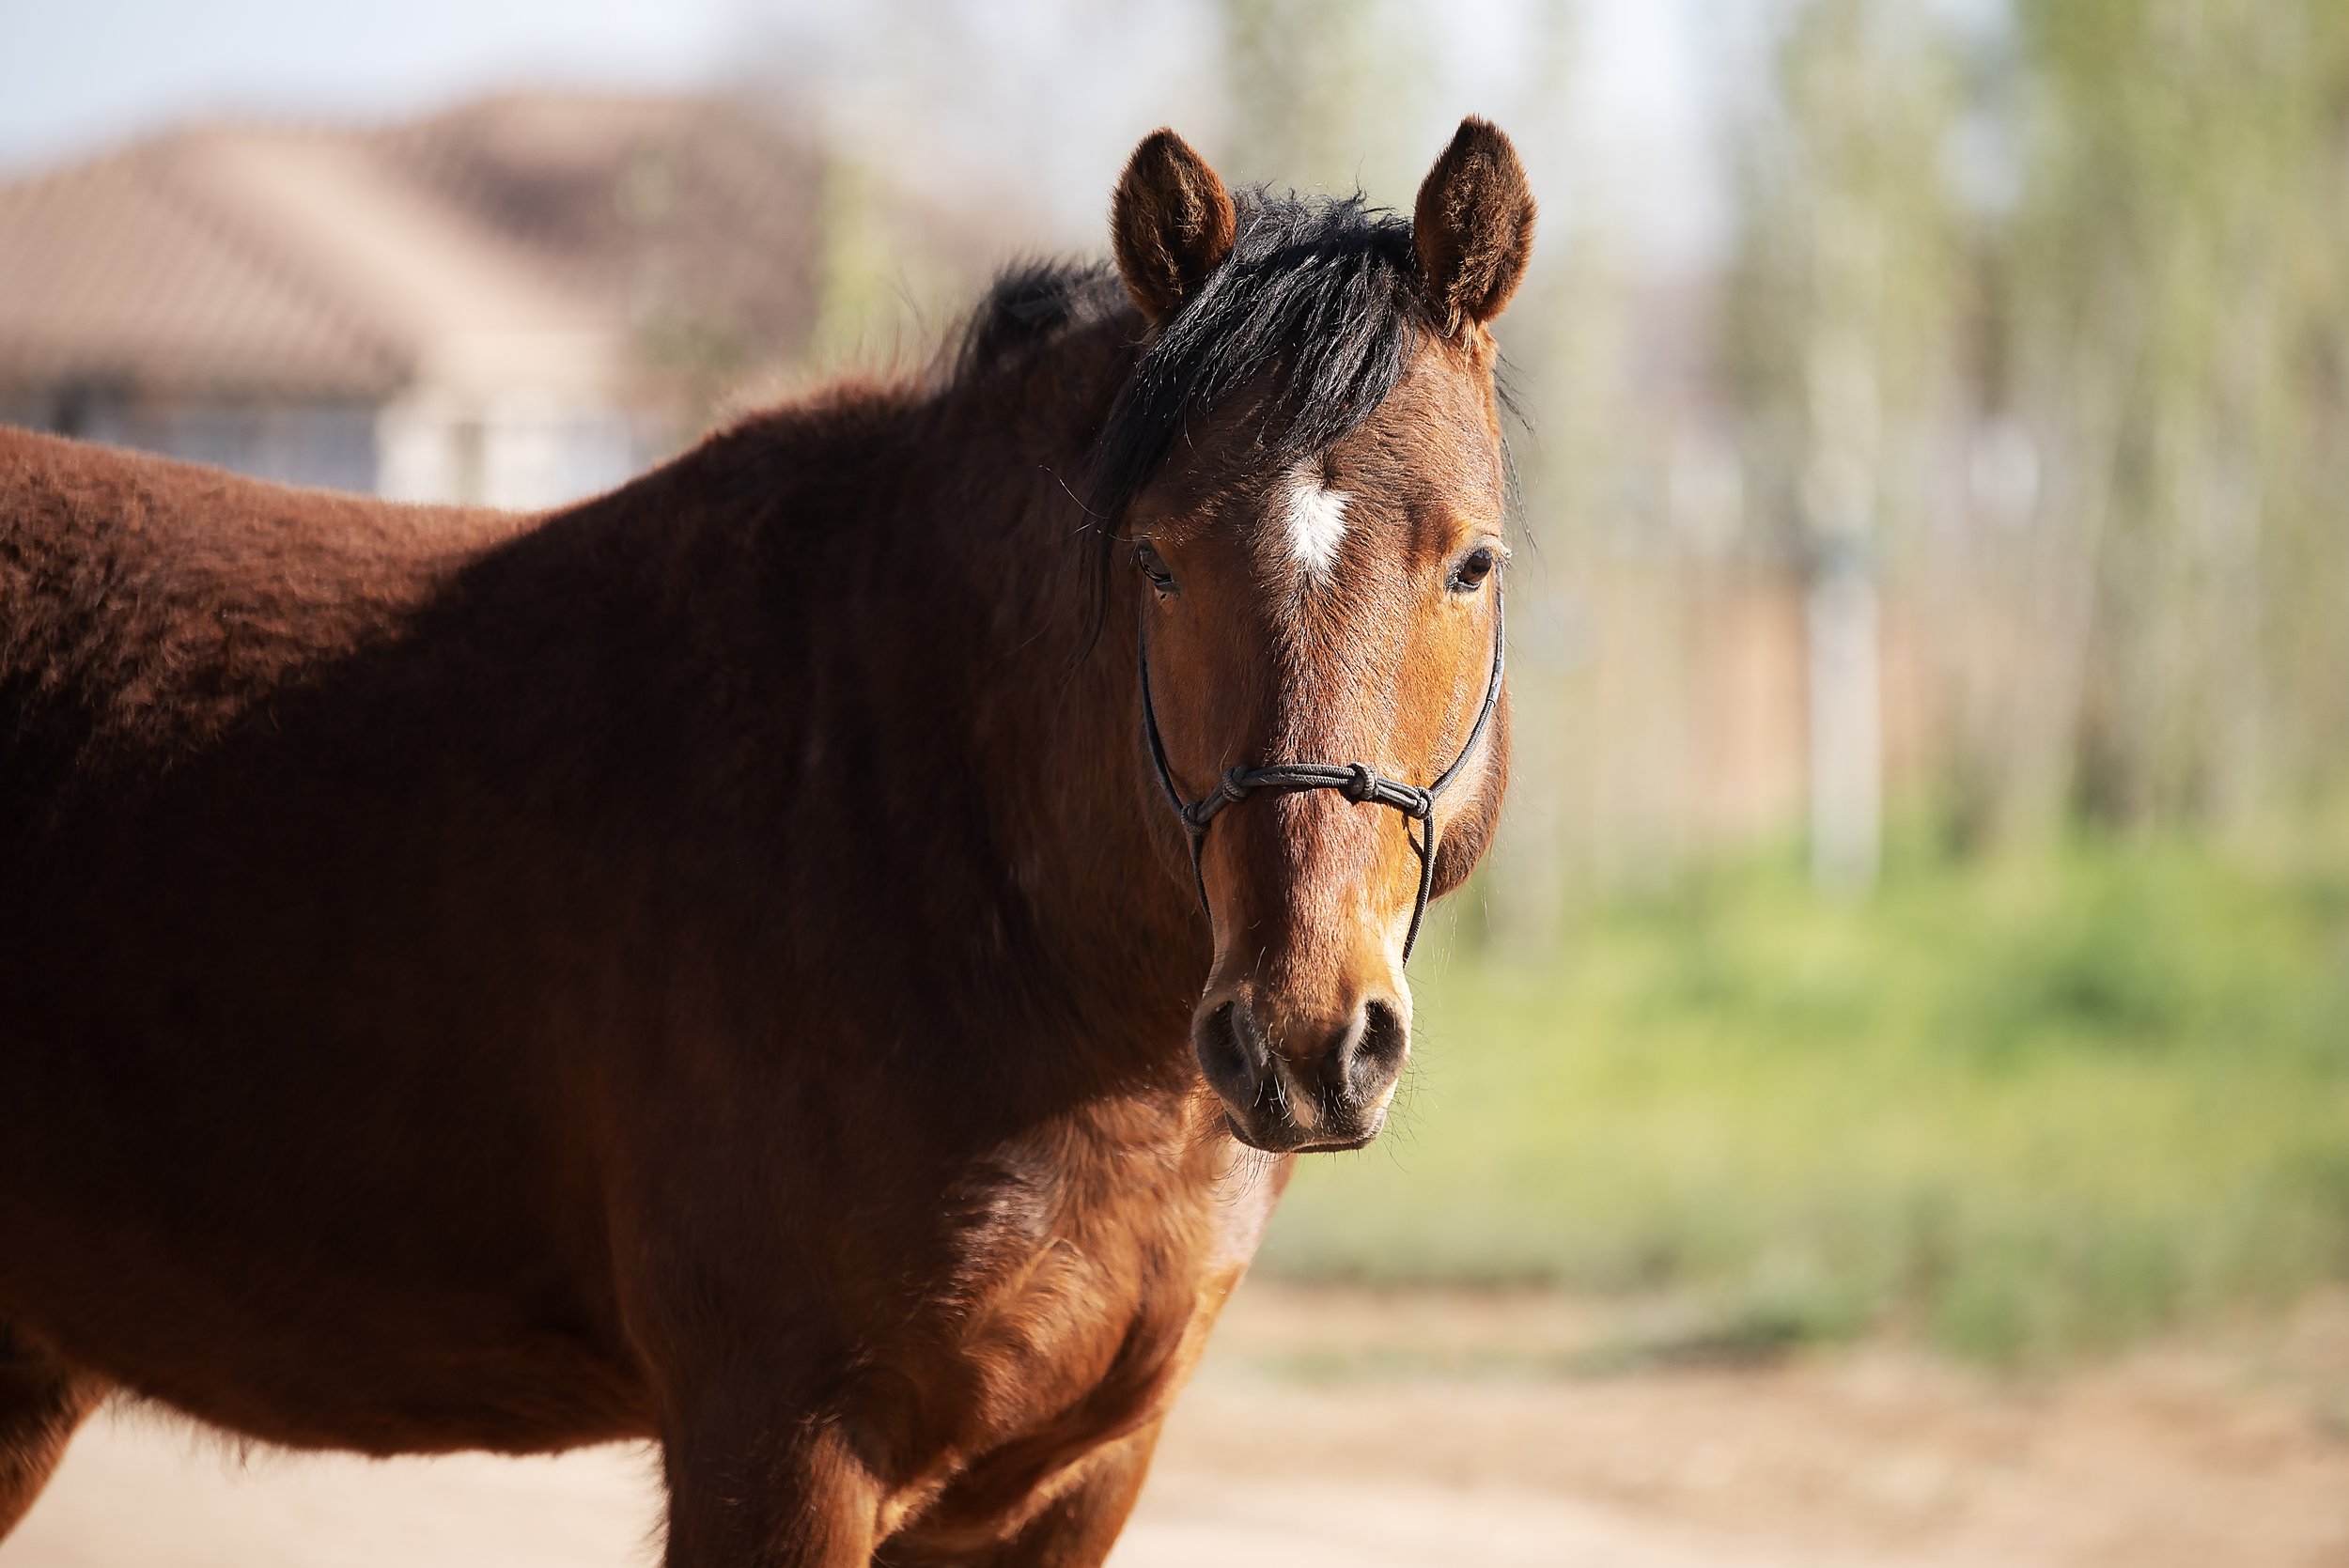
(1154, 567)
(1471, 574)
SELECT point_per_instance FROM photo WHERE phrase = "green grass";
(2020, 1111)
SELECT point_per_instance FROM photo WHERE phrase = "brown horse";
(717, 964)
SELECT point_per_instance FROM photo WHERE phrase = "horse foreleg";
(1077, 1528)
(42, 1401)
(743, 1493)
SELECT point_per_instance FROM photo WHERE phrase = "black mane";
(1321, 292)
(1034, 303)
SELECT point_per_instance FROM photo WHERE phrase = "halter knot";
(1229, 791)
(1361, 783)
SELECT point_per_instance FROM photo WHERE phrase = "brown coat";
(707, 964)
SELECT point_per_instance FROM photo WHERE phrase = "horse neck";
(988, 806)
(1081, 855)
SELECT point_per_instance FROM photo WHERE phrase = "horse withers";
(819, 957)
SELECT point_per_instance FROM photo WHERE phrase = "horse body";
(372, 830)
(704, 965)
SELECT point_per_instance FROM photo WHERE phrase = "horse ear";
(1172, 223)
(1473, 226)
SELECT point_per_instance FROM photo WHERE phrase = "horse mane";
(1032, 303)
(1321, 293)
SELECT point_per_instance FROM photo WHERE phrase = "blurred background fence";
(1924, 901)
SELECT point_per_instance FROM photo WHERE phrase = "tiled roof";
(114, 273)
(683, 213)
(531, 236)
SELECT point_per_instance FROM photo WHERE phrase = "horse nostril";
(1364, 1058)
(1221, 1045)
(1386, 1038)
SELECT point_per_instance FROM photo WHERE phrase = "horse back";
(280, 1081)
(147, 602)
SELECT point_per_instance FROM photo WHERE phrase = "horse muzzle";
(1301, 1086)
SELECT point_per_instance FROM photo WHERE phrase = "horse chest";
(1088, 1301)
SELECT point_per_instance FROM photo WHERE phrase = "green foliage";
(2020, 1110)
(2180, 314)
(2037, 311)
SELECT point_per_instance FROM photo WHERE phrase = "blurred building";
(516, 302)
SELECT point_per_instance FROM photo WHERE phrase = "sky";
(83, 75)
(80, 76)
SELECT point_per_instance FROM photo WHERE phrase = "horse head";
(1306, 471)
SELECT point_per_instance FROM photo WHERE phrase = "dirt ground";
(1379, 1431)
